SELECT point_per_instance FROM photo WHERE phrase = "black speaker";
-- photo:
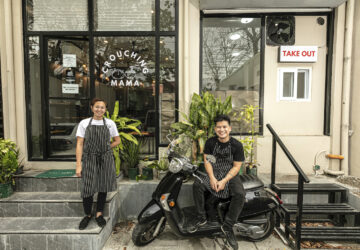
(280, 30)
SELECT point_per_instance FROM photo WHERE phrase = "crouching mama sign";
(298, 53)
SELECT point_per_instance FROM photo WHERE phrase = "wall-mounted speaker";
(280, 30)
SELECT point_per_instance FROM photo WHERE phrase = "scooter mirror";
(211, 159)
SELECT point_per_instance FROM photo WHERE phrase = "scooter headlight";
(175, 165)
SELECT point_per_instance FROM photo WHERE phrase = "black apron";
(224, 162)
(98, 166)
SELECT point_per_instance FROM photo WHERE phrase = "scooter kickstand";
(224, 245)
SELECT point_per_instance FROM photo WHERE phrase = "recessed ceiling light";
(247, 20)
(236, 54)
(234, 36)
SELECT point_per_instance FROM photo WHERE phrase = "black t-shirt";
(237, 149)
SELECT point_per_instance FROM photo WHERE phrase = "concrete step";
(32, 184)
(34, 233)
(47, 204)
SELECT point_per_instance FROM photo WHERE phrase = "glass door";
(67, 89)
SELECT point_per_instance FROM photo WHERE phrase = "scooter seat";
(251, 182)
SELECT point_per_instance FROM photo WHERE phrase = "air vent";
(280, 30)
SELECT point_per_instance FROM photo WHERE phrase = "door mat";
(56, 173)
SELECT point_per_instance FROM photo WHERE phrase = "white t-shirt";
(109, 123)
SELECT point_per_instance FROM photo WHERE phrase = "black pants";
(88, 201)
(237, 194)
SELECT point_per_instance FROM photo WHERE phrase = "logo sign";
(132, 76)
(69, 60)
(298, 53)
(70, 88)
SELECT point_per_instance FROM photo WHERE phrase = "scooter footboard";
(152, 211)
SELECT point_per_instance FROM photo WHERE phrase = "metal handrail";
(302, 177)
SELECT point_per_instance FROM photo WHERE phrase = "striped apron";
(224, 162)
(98, 167)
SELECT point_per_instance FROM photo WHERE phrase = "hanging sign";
(298, 53)
(70, 88)
(69, 60)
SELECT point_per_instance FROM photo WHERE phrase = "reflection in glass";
(124, 15)
(231, 61)
(74, 70)
(288, 87)
(167, 86)
(64, 118)
(125, 71)
(35, 96)
(167, 15)
(54, 15)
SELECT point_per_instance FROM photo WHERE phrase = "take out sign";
(298, 53)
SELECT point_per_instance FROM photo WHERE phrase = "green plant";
(249, 142)
(126, 127)
(198, 125)
(9, 156)
(162, 164)
(131, 154)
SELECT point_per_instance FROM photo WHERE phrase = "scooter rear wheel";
(143, 233)
(268, 228)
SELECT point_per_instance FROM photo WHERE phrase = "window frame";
(295, 71)
(91, 33)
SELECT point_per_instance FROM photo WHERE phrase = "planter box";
(5, 190)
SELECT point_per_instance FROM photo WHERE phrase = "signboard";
(69, 60)
(70, 88)
(298, 53)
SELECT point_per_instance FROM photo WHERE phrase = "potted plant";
(146, 170)
(161, 166)
(9, 155)
(126, 127)
(249, 142)
(130, 155)
(198, 125)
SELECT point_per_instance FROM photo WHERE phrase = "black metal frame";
(302, 178)
(90, 34)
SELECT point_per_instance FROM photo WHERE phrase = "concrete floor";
(121, 240)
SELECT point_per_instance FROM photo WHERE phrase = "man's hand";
(220, 185)
(78, 170)
(213, 183)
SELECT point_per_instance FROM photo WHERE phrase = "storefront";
(116, 50)
(151, 55)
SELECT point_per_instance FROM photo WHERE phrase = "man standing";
(222, 178)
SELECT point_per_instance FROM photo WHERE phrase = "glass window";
(125, 71)
(167, 86)
(167, 15)
(54, 15)
(35, 96)
(294, 84)
(231, 61)
(124, 15)
(68, 64)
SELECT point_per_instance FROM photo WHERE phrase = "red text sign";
(298, 54)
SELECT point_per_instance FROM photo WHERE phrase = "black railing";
(301, 179)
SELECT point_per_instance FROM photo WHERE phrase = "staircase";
(307, 204)
(44, 214)
(325, 202)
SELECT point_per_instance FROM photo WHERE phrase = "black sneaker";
(84, 222)
(229, 235)
(199, 221)
(100, 221)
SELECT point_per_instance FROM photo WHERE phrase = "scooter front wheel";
(143, 234)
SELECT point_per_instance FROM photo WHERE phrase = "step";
(308, 188)
(47, 204)
(330, 208)
(328, 233)
(31, 184)
(52, 233)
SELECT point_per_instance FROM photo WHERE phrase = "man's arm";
(209, 170)
(231, 174)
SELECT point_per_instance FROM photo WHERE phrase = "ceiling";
(259, 4)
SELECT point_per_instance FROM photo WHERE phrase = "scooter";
(255, 223)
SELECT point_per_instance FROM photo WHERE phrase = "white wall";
(299, 124)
